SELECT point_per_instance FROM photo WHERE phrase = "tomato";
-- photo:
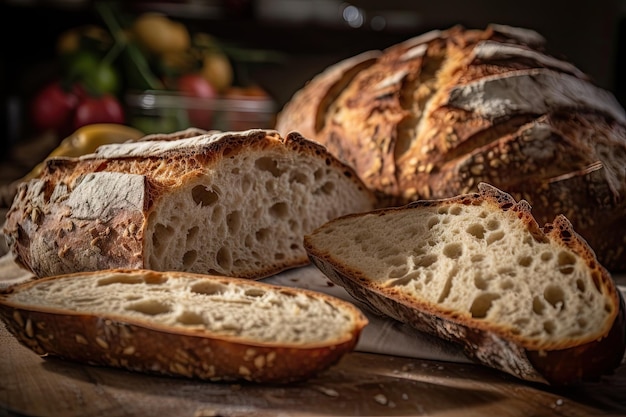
(103, 109)
(52, 108)
(200, 111)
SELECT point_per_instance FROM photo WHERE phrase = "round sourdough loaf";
(437, 114)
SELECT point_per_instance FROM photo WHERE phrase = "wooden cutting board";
(363, 384)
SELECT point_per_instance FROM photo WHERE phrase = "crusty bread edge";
(491, 346)
(135, 345)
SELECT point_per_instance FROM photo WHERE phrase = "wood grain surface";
(361, 384)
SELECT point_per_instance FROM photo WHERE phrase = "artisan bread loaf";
(183, 324)
(437, 114)
(478, 270)
(223, 203)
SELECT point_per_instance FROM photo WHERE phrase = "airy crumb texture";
(478, 261)
(248, 214)
(219, 203)
(222, 307)
(182, 324)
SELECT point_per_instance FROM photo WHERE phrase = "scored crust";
(434, 116)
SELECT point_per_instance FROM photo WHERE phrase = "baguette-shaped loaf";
(183, 324)
(478, 270)
(435, 115)
(221, 203)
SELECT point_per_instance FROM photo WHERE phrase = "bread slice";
(478, 270)
(183, 324)
(222, 203)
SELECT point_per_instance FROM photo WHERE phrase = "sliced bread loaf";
(182, 324)
(478, 270)
(223, 203)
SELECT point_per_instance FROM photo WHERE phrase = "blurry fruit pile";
(151, 72)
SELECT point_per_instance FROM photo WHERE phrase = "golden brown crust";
(569, 361)
(93, 212)
(434, 116)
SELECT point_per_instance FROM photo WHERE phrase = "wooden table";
(379, 379)
(362, 384)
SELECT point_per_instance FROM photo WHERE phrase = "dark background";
(311, 34)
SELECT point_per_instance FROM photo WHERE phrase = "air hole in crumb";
(401, 281)
(453, 250)
(269, 165)
(507, 284)
(494, 237)
(554, 295)
(398, 272)
(233, 220)
(521, 323)
(566, 262)
(442, 210)
(480, 282)
(549, 327)
(279, 210)
(445, 292)
(161, 235)
(482, 304)
(149, 307)
(254, 292)
(477, 230)
(432, 222)
(203, 196)
(190, 318)
(298, 177)
(580, 285)
(189, 258)
(209, 288)
(538, 306)
(525, 261)
(318, 174)
(546, 256)
(279, 256)
(425, 261)
(246, 183)
(224, 258)
(493, 224)
(263, 234)
(192, 233)
(217, 215)
(477, 258)
(456, 210)
(327, 188)
(582, 322)
(507, 271)
(120, 279)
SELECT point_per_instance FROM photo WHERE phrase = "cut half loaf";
(477, 269)
(222, 203)
(183, 324)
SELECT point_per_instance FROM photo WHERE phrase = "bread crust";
(143, 346)
(434, 116)
(95, 212)
(568, 362)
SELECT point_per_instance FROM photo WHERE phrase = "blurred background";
(159, 66)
